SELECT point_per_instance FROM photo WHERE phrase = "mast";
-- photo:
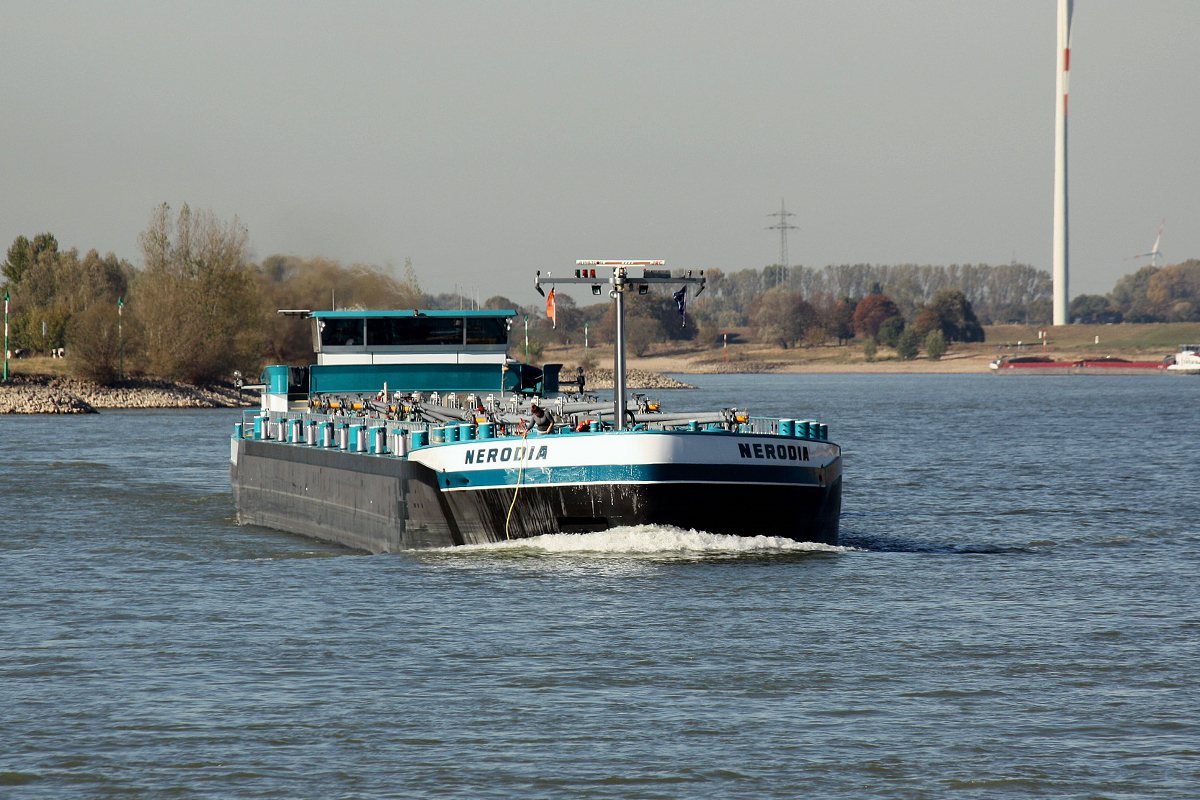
(1061, 294)
(620, 282)
(618, 293)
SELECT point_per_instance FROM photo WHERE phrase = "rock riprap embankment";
(46, 395)
(634, 379)
(30, 394)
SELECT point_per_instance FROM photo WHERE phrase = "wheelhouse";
(364, 352)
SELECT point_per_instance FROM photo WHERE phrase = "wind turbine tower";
(783, 227)
(1061, 296)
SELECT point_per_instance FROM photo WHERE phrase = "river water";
(1014, 613)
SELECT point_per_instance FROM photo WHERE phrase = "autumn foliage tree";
(290, 282)
(196, 297)
(870, 313)
(838, 319)
(956, 318)
(1174, 292)
(783, 316)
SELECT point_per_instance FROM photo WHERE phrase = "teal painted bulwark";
(347, 378)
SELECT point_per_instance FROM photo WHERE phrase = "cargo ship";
(415, 429)
(1186, 361)
(1045, 365)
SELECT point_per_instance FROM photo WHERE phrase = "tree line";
(197, 310)
(780, 314)
(1016, 293)
(908, 307)
(1152, 294)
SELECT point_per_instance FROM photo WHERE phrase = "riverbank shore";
(42, 387)
(45, 394)
(744, 355)
(964, 363)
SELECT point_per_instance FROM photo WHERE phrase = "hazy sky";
(488, 140)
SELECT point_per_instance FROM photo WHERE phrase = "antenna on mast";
(621, 282)
(783, 226)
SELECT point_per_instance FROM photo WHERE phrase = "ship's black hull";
(381, 504)
(803, 513)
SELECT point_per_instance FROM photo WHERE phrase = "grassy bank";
(1135, 339)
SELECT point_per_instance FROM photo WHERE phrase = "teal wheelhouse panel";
(276, 379)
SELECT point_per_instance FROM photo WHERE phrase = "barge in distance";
(414, 429)
(1185, 362)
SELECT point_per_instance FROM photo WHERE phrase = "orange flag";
(550, 309)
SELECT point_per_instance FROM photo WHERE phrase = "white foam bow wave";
(660, 539)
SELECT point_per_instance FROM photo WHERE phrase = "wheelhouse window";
(341, 332)
(395, 332)
(487, 330)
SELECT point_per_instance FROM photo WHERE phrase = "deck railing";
(381, 435)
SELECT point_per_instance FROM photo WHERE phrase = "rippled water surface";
(1014, 612)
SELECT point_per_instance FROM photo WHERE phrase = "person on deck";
(543, 420)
